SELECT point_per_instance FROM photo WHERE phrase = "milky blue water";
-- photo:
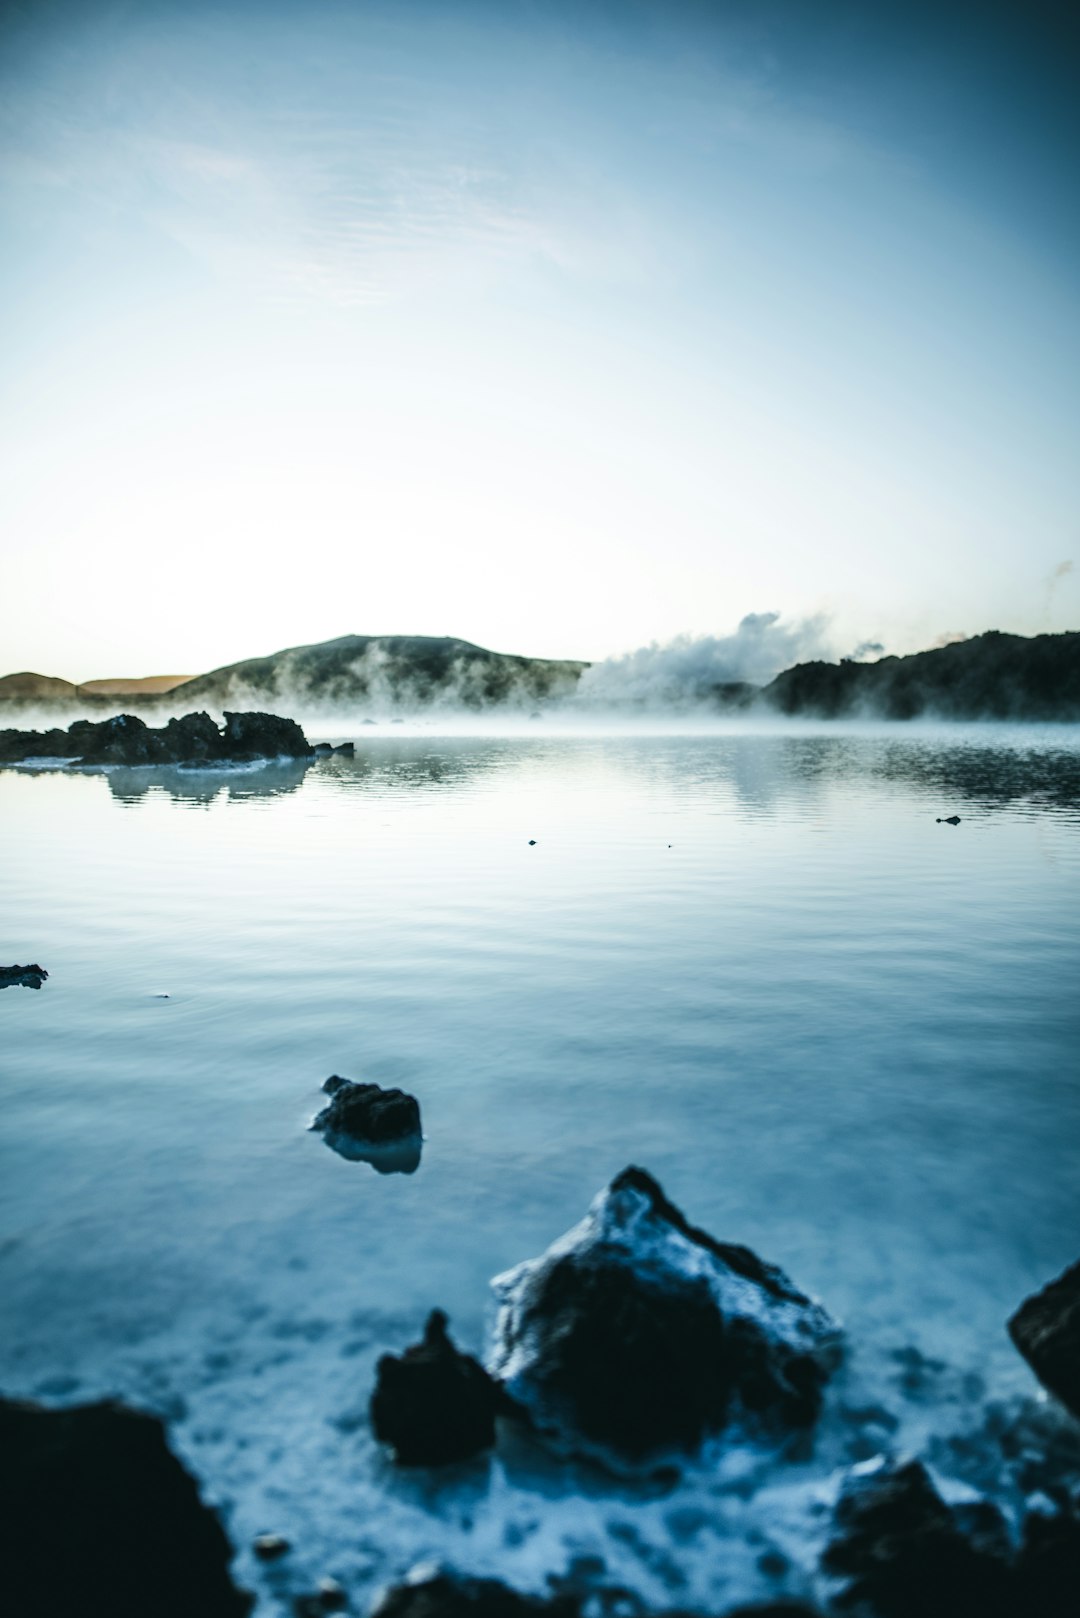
(754, 963)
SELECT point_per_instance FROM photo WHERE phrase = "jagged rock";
(902, 1554)
(98, 1516)
(433, 1404)
(1048, 1568)
(26, 977)
(1046, 1330)
(263, 735)
(637, 1333)
(948, 820)
(371, 1125)
(448, 1595)
(194, 739)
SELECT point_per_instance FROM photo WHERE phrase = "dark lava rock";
(1046, 1330)
(26, 977)
(637, 1333)
(1048, 1567)
(194, 739)
(948, 820)
(98, 1516)
(373, 1125)
(263, 735)
(434, 1404)
(903, 1554)
(447, 1595)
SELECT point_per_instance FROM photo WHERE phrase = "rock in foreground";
(902, 1553)
(371, 1125)
(1046, 1330)
(434, 1405)
(446, 1595)
(193, 740)
(637, 1333)
(98, 1516)
(26, 977)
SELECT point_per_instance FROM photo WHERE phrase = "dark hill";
(991, 676)
(386, 671)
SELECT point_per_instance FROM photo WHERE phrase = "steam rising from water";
(687, 670)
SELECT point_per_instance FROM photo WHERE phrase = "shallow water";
(754, 963)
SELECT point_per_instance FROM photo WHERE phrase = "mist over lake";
(752, 961)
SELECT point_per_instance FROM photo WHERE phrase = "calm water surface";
(834, 1029)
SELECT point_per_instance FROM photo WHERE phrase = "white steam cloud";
(688, 670)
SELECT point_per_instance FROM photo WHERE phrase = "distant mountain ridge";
(389, 671)
(27, 687)
(991, 676)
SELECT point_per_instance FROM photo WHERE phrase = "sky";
(564, 328)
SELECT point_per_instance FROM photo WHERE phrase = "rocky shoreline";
(193, 742)
(643, 1346)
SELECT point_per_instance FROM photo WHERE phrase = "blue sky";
(561, 328)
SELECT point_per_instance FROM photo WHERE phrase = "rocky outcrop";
(1046, 1330)
(193, 740)
(26, 977)
(440, 1594)
(98, 1516)
(637, 1333)
(900, 1551)
(447, 1595)
(433, 1404)
(371, 1125)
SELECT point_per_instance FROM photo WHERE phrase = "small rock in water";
(26, 977)
(1046, 1330)
(433, 1404)
(532, 842)
(636, 1333)
(368, 1124)
(948, 820)
(268, 1547)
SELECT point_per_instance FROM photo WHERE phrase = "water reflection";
(189, 786)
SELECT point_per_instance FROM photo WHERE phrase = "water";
(754, 963)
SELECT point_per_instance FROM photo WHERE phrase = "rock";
(901, 1552)
(330, 1596)
(194, 739)
(26, 977)
(344, 750)
(1046, 1330)
(637, 1333)
(448, 1595)
(263, 735)
(1048, 1567)
(532, 842)
(433, 1404)
(372, 1125)
(268, 1547)
(98, 1516)
(948, 820)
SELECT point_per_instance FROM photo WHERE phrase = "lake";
(755, 963)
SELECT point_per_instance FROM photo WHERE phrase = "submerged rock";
(902, 1552)
(1046, 1330)
(948, 820)
(372, 1125)
(637, 1333)
(26, 977)
(433, 1404)
(193, 740)
(98, 1516)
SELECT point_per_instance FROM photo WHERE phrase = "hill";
(151, 685)
(991, 676)
(30, 688)
(385, 671)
